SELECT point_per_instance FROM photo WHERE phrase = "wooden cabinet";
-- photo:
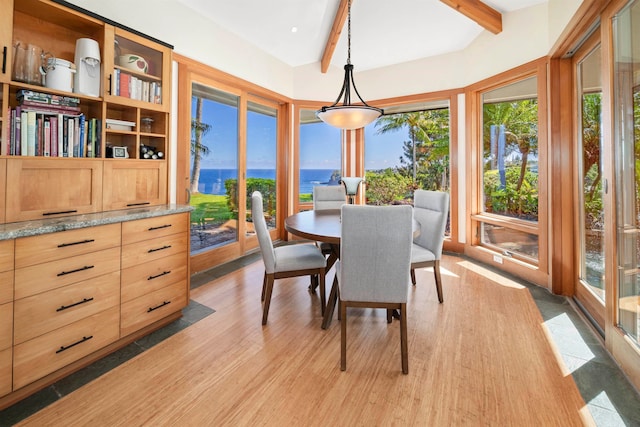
(155, 260)
(6, 45)
(56, 187)
(70, 297)
(6, 314)
(134, 184)
(3, 177)
(49, 188)
(67, 301)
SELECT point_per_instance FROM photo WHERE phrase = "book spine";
(54, 135)
(47, 136)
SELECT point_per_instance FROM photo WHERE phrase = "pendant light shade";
(348, 116)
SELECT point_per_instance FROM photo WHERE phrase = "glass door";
(626, 25)
(214, 167)
(262, 134)
(590, 291)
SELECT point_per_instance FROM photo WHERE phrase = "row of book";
(42, 132)
(130, 86)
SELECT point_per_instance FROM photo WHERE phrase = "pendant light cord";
(349, 33)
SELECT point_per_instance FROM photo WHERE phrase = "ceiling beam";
(484, 15)
(334, 35)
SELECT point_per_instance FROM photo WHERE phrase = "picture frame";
(120, 153)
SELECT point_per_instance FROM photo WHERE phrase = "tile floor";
(610, 397)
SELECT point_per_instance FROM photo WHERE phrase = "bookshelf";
(135, 71)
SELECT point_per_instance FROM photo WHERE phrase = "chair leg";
(343, 337)
(267, 299)
(323, 302)
(413, 276)
(264, 286)
(314, 282)
(389, 315)
(436, 272)
(403, 338)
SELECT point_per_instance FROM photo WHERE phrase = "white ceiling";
(383, 32)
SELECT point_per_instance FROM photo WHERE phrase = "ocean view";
(212, 180)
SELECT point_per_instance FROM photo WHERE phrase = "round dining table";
(318, 225)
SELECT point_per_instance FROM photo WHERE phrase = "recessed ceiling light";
(294, 29)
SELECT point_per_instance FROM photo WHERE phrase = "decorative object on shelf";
(146, 124)
(87, 60)
(115, 124)
(133, 62)
(117, 152)
(348, 116)
(58, 74)
(149, 152)
(351, 184)
(27, 63)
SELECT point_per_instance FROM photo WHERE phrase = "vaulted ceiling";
(383, 32)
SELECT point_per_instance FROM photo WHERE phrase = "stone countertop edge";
(53, 225)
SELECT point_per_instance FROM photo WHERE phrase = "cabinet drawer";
(150, 276)
(50, 188)
(6, 287)
(6, 326)
(144, 229)
(147, 309)
(50, 247)
(6, 255)
(47, 353)
(42, 313)
(6, 359)
(150, 250)
(51, 275)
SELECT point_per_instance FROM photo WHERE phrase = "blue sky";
(320, 143)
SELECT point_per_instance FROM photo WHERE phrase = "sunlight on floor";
(491, 275)
(570, 349)
(443, 271)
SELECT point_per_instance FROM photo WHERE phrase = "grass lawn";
(210, 206)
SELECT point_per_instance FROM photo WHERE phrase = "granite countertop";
(53, 225)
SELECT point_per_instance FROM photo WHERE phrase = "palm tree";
(413, 121)
(198, 149)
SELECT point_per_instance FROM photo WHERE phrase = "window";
(320, 154)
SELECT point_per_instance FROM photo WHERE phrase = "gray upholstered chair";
(284, 261)
(431, 210)
(373, 271)
(328, 197)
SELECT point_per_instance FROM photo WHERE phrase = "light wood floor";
(480, 359)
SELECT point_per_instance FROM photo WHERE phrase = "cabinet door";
(137, 71)
(50, 188)
(134, 183)
(6, 44)
(3, 180)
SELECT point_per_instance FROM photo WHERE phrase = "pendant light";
(348, 116)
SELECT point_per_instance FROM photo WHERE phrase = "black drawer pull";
(63, 348)
(159, 227)
(109, 91)
(86, 267)
(59, 213)
(159, 249)
(158, 306)
(64, 307)
(64, 245)
(138, 204)
(158, 275)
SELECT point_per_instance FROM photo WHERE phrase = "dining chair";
(328, 197)
(284, 261)
(373, 271)
(431, 210)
